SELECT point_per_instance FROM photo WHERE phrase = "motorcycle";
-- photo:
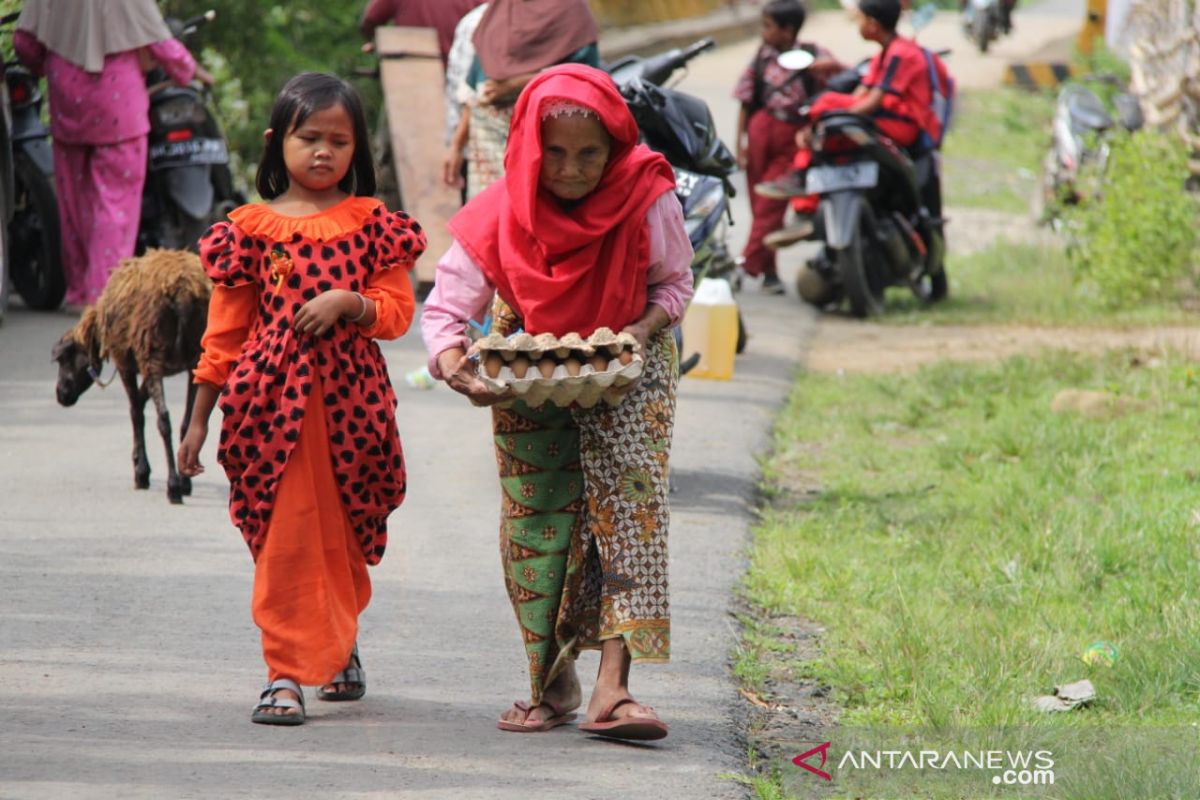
(984, 21)
(189, 184)
(681, 127)
(32, 254)
(1074, 168)
(878, 216)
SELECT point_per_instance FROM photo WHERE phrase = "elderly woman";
(583, 232)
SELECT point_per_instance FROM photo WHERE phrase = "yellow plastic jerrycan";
(710, 329)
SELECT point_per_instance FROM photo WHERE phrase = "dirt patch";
(846, 345)
(791, 716)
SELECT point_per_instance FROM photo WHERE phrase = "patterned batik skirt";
(583, 532)
(486, 142)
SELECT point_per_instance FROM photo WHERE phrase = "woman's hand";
(188, 457)
(452, 167)
(743, 153)
(491, 91)
(803, 137)
(204, 76)
(460, 374)
(640, 331)
(323, 311)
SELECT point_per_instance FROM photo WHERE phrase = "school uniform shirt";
(766, 85)
(902, 72)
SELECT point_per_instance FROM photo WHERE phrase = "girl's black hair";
(885, 12)
(299, 99)
(786, 13)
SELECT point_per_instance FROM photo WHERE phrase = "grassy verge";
(966, 545)
(993, 153)
(1023, 283)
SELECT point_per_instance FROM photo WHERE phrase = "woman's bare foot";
(612, 685)
(562, 696)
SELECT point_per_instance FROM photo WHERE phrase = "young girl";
(304, 283)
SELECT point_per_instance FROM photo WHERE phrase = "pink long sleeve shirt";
(461, 291)
(111, 106)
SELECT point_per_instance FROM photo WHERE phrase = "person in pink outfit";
(93, 54)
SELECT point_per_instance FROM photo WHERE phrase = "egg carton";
(565, 371)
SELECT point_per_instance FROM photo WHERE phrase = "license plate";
(862, 175)
(686, 182)
(190, 151)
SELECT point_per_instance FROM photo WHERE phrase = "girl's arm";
(188, 459)
(231, 313)
(389, 294)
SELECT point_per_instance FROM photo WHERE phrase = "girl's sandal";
(353, 674)
(264, 712)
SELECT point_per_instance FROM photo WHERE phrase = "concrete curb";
(727, 25)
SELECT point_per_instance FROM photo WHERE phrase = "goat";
(148, 321)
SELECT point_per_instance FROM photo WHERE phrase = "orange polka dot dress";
(308, 439)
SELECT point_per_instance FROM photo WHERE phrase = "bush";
(1137, 241)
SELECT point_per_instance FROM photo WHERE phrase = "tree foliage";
(253, 48)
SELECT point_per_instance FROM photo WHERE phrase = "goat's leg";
(155, 387)
(137, 414)
(185, 483)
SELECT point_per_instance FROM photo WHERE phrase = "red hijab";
(578, 269)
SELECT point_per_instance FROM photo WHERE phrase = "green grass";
(1029, 284)
(968, 544)
(993, 152)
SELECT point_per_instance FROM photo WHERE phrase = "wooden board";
(410, 69)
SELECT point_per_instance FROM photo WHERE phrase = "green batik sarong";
(584, 517)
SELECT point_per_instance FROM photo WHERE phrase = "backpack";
(943, 90)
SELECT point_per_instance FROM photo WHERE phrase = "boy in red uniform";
(897, 91)
(771, 97)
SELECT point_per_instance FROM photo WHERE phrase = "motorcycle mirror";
(795, 60)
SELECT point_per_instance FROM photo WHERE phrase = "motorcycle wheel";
(35, 259)
(741, 336)
(984, 31)
(862, 279)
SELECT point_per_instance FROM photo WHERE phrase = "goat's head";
(78, 357)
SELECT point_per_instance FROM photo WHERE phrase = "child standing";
(304, 284)
(771, 97)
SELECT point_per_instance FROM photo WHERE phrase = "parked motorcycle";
(1074, 168)
(33, 257)
(189, 184)
(878, 212)
(681, 127)
(984, 21)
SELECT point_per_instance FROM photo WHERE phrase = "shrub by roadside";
(1138, 241)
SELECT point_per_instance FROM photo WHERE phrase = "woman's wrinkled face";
(575, 150)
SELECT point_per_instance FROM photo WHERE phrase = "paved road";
(130, 662)
(128, 654)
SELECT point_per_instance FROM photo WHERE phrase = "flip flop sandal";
(635, 728)
(268, 702)
(353, 674)
(542, 726)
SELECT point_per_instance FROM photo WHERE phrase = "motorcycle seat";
(1088, 111)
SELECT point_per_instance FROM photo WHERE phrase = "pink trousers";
(99, 205)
